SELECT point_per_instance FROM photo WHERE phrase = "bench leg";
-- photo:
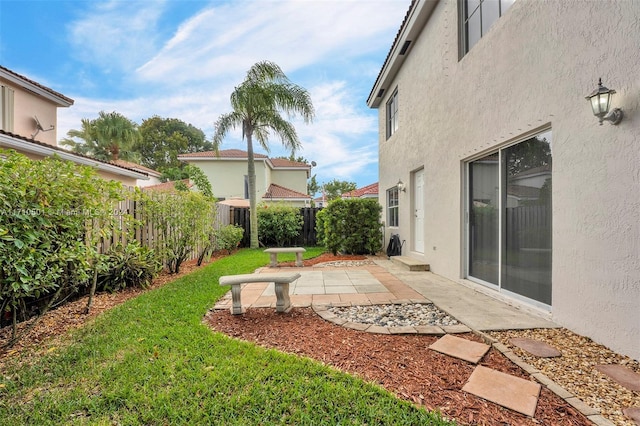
(236, 308)
(283, 302)
(298, 259)
(274, 259)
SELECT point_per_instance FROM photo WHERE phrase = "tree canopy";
(110, 137)
(336, 188)
(163, 139)
(257, 106)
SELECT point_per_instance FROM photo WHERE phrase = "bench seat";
(281, 283)
(273, 253)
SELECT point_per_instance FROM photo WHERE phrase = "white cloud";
(225, 40)
(116, 35)
(325, 46)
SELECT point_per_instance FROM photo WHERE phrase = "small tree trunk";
(16, 337)
(14, 323)
(92, 292)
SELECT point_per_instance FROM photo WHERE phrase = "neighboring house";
(28, 122)
(153, 175)
(481, 109)
(277, 179)
(369, 191)
(167, 186)
(320, 201)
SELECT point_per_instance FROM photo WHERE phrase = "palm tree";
(86, 145)
(257, 105)
(109, 137)
(116, 135)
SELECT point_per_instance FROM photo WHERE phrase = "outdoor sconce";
(601, 101)
(401, 186)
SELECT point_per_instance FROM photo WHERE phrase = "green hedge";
(279, 224)
(351, 226)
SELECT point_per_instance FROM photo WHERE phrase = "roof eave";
(415, 21)
(17, 144)
(60, 101)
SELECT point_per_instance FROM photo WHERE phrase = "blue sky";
(182, 59)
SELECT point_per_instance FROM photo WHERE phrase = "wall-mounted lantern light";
(600, 100)
(401, 186)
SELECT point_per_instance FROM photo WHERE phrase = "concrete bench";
(273, 253)
(281, 282)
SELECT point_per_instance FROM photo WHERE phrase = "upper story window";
(6, 108)
(476, 17)
(392, 206)
(392, 114)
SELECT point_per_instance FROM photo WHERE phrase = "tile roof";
(35, 83)
(405, 22)
(277, 191)
(369, 190)
(283, 162)
(167, 186)
(134, 166)
(223, 153)
(67, 152)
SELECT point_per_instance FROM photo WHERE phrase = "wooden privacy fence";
(143, 229)
(240, 216)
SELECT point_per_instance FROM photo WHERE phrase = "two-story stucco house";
(495, 170)
(277, 179)
(28, 122)
(368, 191)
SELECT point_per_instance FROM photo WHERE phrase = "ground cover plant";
(153, 361)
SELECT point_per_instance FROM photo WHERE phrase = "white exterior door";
(418, 207)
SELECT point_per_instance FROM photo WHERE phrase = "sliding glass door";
(484, 219)
(509, 227)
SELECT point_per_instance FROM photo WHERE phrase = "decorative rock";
(403, 315)
(345, 263)
(535, 347)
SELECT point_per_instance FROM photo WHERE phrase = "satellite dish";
(313, 164)
(39, 127)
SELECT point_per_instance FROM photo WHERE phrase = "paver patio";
(384, 283)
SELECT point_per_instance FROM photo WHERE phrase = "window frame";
(463, 21)
(7, 95)
(393, 207)
(391, 112)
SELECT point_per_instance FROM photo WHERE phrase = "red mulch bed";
(400, 363)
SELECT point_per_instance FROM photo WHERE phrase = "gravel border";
(573, 376)
(598, 399)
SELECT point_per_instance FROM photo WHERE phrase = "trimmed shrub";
(279, 224)
(228, 237)
(131, 265)
(351, 226)
(53, 215)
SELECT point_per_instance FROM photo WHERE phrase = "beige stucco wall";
(26, 106)
(292, 179)
(227, 177)
(125, 180)
(532, 71)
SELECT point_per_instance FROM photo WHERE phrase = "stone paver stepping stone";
(633, 413)
(535, 347)
(621, 374)
(504, 389)
(458, 347)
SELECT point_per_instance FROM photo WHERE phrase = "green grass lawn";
(152, 361)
